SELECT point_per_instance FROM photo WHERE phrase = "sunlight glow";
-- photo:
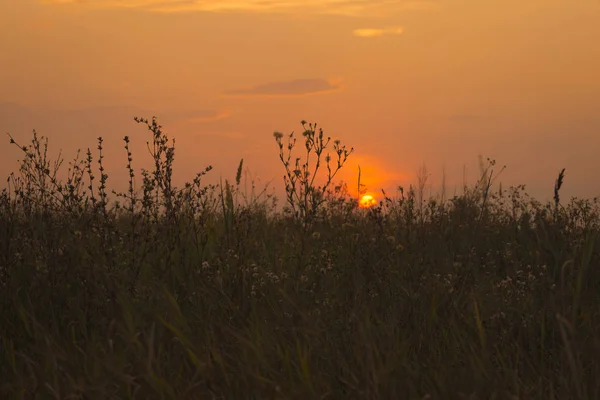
(367, 201)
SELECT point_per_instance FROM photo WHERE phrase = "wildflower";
(399, 248)
(205, 265)
(273, 277)
(391, 239)
(303, 278)
(316, 235)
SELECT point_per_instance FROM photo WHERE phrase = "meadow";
(216, 292)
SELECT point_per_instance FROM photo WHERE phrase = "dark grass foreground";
(201, 292)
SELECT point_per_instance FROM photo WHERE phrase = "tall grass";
(207, 291)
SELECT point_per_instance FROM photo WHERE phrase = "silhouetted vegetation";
(211, 292)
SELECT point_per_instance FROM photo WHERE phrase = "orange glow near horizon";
(367, 201)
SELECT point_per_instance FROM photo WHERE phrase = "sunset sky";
(404, 82)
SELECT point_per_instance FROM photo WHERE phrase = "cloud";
(209, 116)
(378, 32)
(357, 8)
(296, 87)
(196, 115)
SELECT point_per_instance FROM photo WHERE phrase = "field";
(213, 292)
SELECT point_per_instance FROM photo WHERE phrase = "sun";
(367, 201)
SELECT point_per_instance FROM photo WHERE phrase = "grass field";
(210, 292)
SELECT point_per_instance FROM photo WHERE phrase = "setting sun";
(367, 201)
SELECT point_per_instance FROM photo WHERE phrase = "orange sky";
(404, 82)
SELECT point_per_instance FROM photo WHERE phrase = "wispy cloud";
(370, 32)
(296, 87)
(198, 115)
(184, 119)
(336, 7)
